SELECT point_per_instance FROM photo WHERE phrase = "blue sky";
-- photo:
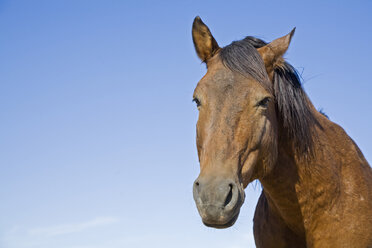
(97, 127)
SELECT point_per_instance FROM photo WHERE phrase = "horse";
(256, 122)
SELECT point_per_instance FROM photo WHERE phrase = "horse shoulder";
(342, 215)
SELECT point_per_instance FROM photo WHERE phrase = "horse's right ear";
(205, 45)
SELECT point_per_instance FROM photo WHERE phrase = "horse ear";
(205, 45)
(272, 53)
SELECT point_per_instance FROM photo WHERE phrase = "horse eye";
(196, 100)
(263, 102)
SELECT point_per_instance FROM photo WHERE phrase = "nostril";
(196, 192)
(229, 195)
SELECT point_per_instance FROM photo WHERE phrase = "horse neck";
(298, 189)
(279, 187)
(288, 187)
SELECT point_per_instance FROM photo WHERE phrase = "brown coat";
(256, 122)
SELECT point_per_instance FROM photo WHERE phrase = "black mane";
(292, 103)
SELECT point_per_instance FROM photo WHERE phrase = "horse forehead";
(225, 83)
(218, 81)
(221, 81)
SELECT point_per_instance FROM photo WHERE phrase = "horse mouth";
(225, 225)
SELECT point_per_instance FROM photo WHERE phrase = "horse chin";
(228, 224)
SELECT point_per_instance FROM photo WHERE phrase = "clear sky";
(97, 127)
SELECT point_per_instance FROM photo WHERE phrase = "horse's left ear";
(272, 53)
(205, 44)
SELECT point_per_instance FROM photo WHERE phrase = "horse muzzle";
(218, 201)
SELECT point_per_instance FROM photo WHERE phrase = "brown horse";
(256, 122)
